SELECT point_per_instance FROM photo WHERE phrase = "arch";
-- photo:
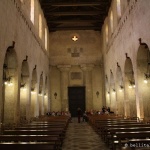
(107, 92)
(10, 91)
(24, 87)
(41, 98)
(130, 100)
(112, 93)
(120, 91)
(143, 77)
(34, 104)
(46, 96)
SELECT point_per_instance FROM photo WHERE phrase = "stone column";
(87, 69)
(64, 85)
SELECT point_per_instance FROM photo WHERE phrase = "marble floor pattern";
(81, 136)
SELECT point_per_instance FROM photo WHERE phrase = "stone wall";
(124, 45)
(19, 36)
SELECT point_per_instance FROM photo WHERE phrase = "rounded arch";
(112, 93)
(143, 77)
(107, 91)
(46, 96)
(34, 104)
(41, 98)
(24, 87)
(10, 87)
(130, 100)
(120, 91)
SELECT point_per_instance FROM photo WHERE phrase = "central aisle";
(81, 136)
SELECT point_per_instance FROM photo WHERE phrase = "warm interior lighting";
(131, 84)
(131, 81)
(108, 93)
(145, 81)
(40, 93)
(147, 74)
(114, 91)
(74, 38)
(23, 87)
(32, 91)
(45, 95)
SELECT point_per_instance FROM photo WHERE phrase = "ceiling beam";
(74, 21)
(70, 4)
(75, 13)
(75, 28)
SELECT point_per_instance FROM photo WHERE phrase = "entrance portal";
(76, 97)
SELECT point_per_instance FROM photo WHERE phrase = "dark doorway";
(76, 97)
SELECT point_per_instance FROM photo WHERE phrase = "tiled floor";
(80, 136)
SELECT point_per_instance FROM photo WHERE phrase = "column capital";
(64, 67)
(87, 67)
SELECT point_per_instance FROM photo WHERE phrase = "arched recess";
(112, 93)
(24, 87)
(46, 97)
(130, 100)
(34, 104)
(107, 92)
(40, 94)
(143, 74)
(120, 91)
(10, 87)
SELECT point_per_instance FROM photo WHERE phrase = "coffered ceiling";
(75, 14)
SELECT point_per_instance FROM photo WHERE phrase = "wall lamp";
(121, 88)
(23, 87)
(40, 93)
(131, 84)
(6, 77)
(147, 74)
(45, 95)
(55, 95)
(97, 94)
(108, 93)
(114, 91)
(32, 91)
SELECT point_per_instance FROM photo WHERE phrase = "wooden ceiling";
(75, 14)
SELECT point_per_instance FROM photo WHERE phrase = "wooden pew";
(53, 139)
(27, 146)
(109, 132)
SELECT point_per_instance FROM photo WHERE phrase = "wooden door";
(76, 97)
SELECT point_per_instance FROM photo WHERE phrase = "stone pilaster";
(87, 71)
(64, 85)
